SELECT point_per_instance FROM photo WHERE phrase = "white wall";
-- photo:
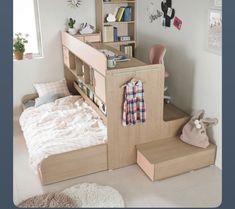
(196, 74)
(53, 16)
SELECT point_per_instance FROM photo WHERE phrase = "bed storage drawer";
(73, 164)
(170, 157)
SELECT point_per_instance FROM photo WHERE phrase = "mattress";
(65, 125)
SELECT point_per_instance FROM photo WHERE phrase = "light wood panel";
(122, 140)
(85, 52)
(100, 86)
(73, 164)
(169, 157)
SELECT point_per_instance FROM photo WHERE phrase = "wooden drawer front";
(69, 58)
(92, 38)
(165, 158)
(100, 86)
(184, 164)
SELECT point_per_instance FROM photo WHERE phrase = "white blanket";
(67, 124)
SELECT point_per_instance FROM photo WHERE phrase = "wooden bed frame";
(163, 121)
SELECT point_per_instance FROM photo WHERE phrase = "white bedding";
(67, 124)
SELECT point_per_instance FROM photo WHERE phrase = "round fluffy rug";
(49, 200)
(95, 196)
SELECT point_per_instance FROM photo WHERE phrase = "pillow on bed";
(58, 87)
(47, 99)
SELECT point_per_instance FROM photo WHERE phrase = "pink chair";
(156, 56)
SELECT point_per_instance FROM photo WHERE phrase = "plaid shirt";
(134, 110)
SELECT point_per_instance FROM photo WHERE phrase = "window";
(26, 21)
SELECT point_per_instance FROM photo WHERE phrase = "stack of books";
(127, 49)
(124, 14)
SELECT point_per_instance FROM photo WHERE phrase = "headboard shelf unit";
(122, 140)
(124, 27)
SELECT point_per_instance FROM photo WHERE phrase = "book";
(115, 31)
(127, 15)
(120, 14)
(108, 33)
(122, 58)
(127, 49)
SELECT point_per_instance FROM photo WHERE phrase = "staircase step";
(169, 157)
(171, 112)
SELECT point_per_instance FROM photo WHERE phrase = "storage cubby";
(79, 66)
(69, 59)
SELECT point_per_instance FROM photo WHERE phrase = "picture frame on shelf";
(214, 39)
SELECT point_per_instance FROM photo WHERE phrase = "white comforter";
(67, 124)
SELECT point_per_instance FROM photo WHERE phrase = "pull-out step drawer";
(170, 157)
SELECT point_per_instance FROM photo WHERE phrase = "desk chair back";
(156, 54)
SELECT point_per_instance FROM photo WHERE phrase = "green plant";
(71, 22)
(19, 43)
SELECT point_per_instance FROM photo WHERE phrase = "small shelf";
(80, 78)
(91, 103)
(121, 22)
(120, 42)
(120, 2)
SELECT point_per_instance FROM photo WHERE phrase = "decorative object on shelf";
(153, 12)
(169, 12)
(86, 28)
(19, 45)
(110, 18)
(29, 56)
(214, 43)
(124, 38)
(195, 131)
(177, 23)
(218, 3)
(71, 24)
(74, 3)
(111, 62)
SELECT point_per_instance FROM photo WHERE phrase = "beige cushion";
(57, 87)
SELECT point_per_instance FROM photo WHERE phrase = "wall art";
(153, 12)
(215, 31)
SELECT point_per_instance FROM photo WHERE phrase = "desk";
(133, 62)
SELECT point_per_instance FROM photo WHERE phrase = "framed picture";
(218, 3)
(214, 43)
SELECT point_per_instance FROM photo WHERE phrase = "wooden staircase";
(167, 157)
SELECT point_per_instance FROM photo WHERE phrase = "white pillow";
(58, 87)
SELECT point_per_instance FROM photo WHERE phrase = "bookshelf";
(124, 28)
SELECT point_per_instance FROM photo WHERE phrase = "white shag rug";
(91, 195)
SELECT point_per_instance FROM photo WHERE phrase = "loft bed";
(163, 120)
(86, 71)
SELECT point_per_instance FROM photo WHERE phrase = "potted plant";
(71, 24)
(19, 45)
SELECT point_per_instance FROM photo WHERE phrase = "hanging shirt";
(134, 110)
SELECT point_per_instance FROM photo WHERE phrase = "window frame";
(38, 31)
